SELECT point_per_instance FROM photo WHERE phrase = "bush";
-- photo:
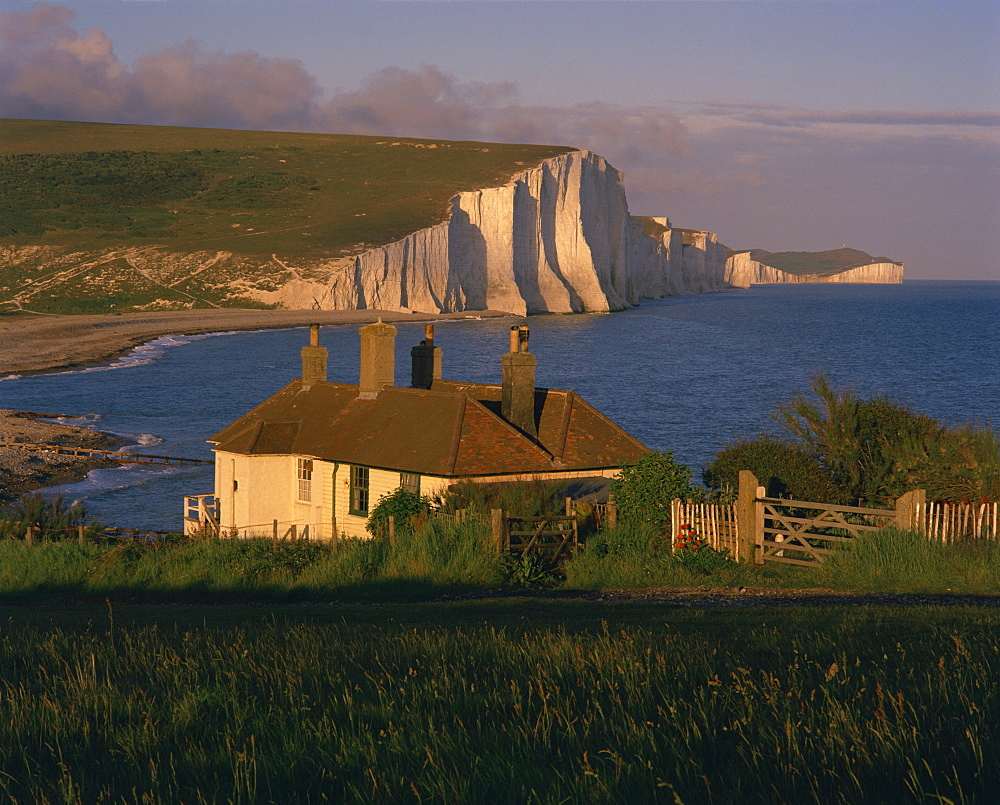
(645, 489)
(517, 498)
(876, 449)
(403, 506)
(785, 469)
(52, 518)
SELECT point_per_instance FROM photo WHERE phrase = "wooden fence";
(758, 529)
(949, 522)
(714, 523)
(121, 456)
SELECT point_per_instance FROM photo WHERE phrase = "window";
(305, 476)
(410, 481)
(359, 491)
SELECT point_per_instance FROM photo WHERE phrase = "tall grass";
(780, 711)
(442, 554)
(894, 560)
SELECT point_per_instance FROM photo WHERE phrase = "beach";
(34, 344)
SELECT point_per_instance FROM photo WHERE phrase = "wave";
(148, 440)
(144, 354)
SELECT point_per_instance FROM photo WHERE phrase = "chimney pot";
(425, 359)
(313, 359)
(518, 383)
(378, 359)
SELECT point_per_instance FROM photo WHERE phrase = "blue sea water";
(686, 373)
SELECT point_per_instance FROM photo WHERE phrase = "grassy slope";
(824, 264)
(95, 188)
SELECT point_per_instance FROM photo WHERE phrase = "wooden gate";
(798, 532)
(552, 538)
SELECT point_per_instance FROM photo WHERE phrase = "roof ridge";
(514, 430)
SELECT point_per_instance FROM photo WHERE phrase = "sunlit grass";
(866, 706)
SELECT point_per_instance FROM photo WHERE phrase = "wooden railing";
(121, 456)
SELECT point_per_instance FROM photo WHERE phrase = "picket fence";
(718, 526)
(949, 522)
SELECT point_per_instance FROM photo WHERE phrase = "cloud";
(760, 175)
(49, 70)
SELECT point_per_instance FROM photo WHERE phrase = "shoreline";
(22, 472)
(35, 344)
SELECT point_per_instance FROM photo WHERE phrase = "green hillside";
(822, 264)
(92, 188)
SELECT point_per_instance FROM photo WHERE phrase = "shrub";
(403, 506)
(52, 518)
(645, 489)
(517, 498)
(785, 469)
(876, 449)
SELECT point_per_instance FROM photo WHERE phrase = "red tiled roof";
(450, 430)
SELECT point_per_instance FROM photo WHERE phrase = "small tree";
(645, 489)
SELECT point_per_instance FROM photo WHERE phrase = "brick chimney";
(313, 360)
(518, 371)
(426, 360)
(378, 359)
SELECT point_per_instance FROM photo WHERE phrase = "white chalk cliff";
(556, 238)
(742, 271)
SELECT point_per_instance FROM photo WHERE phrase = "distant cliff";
(556, 238)
(843, 265)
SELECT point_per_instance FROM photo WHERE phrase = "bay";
(686, 373)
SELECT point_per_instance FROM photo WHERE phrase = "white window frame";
(304, 475)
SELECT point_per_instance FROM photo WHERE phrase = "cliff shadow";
(467, 263)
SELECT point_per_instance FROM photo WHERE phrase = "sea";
(687, 374)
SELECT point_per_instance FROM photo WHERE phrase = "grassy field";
(432, 671)
(115, 195)
(513, 700)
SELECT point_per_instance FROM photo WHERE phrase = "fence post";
(79, 533)
(746, 519)
(497, 528)
(675, 522)
(569, 507)
(29, 535)
(274, 529)
(909, 511)
(392, 530)
(612, 517)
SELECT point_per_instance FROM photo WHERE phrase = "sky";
(784, 126)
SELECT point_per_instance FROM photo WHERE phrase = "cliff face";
(742, 271)
(557, 238)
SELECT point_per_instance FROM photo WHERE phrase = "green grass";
(264, 671)
(522, 700)
(444, 558)
(86, 189)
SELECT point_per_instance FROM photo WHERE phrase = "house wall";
(267, 490)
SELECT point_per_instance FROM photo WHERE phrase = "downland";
(822, 264)
(98, 218)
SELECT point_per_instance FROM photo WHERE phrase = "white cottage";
(314, 458)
